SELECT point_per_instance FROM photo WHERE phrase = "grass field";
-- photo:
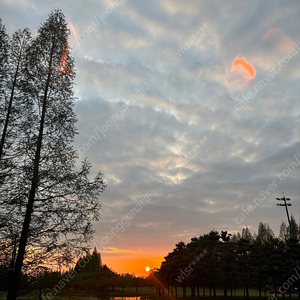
(143, 293)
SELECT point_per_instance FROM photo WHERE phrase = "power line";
(284, 199)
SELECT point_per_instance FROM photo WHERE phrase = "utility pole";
(284, 199)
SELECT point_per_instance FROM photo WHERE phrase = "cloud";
(191, 96)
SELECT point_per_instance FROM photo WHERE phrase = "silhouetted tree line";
(88, 276)
(92, 276)
(219, 260)
(209, 262)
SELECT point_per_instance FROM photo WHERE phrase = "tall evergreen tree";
(57, 203)
(293, 230)
(283, 232)
(265, 233)
(12, 88)
(3, 72)
(4, 45)
(3, 58)
(89, 263)
(246, 234)
(12, 114)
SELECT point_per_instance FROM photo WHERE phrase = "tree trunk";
(226, 285)
(274, 282)
(193, 289)
(298, 288)
(259, 283)
(12, 264)
(9, 107)
(183, 290)
(225, 291)
(247, 287)
(214, 288)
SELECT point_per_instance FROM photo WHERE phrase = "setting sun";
(147, 269)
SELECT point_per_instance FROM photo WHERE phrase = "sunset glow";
(243, 65)
(147, 269)
(132, 263)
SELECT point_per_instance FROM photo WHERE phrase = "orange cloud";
(244, 66)
(112, 250)
(74, 32)
(275, 37)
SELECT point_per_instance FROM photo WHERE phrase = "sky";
(189, 108)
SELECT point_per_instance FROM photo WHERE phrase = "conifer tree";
(4, 44)
(12, 82)
(294, 229)
(14, 103)
(57, 203)
(3, 56)
(283, 231)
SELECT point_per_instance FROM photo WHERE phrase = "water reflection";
(125, 298)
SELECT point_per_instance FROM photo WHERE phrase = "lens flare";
(242, 64)
(74, 32)
(64, 66)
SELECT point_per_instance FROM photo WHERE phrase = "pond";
(125, 298)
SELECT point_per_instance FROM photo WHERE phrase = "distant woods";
(89, 263)
(88, 275)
